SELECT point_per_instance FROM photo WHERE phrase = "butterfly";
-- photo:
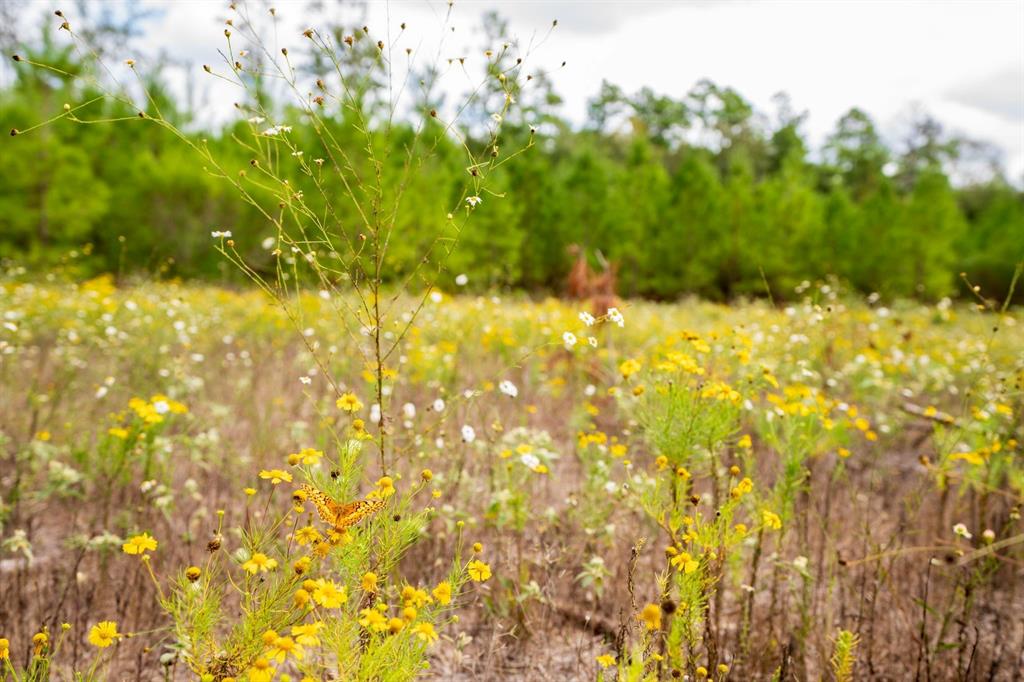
(341, 516)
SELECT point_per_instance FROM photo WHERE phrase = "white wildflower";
(508, 388)
(615, 316)
(468, 434)
(530, 460)
(569, 339)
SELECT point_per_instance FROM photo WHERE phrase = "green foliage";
(695, 194)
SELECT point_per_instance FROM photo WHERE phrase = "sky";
(962, 62)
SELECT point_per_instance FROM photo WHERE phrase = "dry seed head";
(380, 44)
(14, 131)
(284, 51)
(308, 33)
(16, 57)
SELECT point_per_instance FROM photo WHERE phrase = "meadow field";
(824, 489)
(340, 348)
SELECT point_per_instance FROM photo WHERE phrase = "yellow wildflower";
(276, 476)
(443, 593)
(284, 647)
(771, 520)
(103, 634)
(139, 544)
(307, 635)
(425, 631)
(261, 671)
(329, 595)
(374, 620)
(478, 571)
(349, 403)
(259, 562)
(307, 535)
(650, 616)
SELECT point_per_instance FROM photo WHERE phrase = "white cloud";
(960, 60)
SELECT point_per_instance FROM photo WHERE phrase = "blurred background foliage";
(689, 193)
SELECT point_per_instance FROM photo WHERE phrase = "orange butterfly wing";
(352, 513)
(341, 516)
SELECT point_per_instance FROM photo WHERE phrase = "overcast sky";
(961, 61)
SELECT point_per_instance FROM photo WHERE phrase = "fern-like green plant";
(844, 655)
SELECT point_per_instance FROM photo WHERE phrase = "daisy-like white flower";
(462, 280)
(221, 234)
(306, 380)
(508, 388)
(468, 434)
(530, 460)
(615, 316)
(375, 413)
(409, 410)
(277, 130)
(587, 318)
(592, 340)
(961, 530)
(569, 339)
(474, 201)
(438, 405)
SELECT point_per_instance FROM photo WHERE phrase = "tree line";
(697, 193)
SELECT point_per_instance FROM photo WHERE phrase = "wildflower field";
(327, 387)
(829, 489)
